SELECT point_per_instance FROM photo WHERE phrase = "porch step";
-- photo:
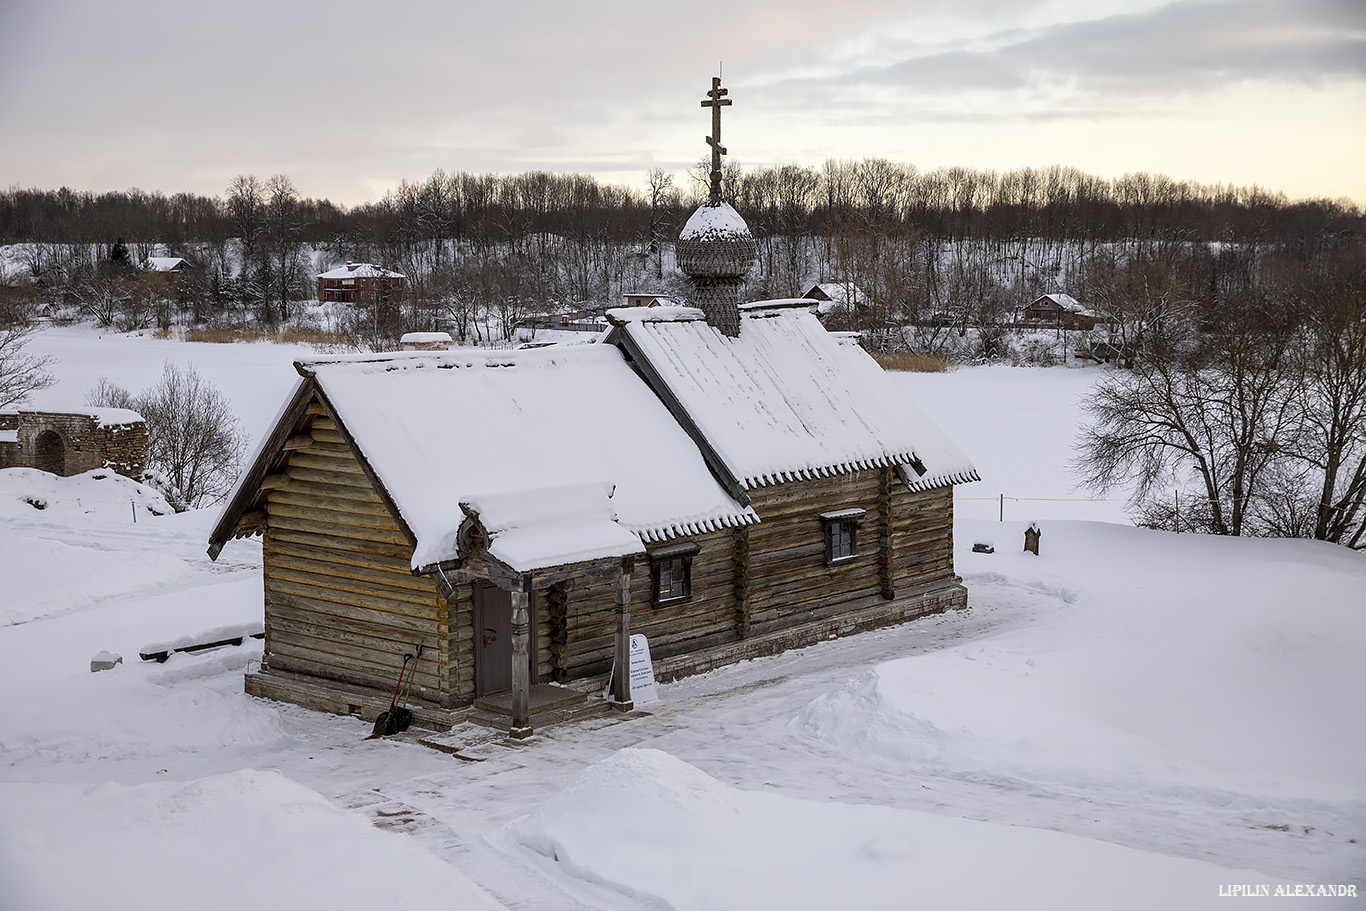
(542, 698)
(547, 705)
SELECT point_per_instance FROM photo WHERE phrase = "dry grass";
(912, 362)
(290, 335)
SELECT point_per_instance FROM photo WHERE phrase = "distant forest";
(920, 251)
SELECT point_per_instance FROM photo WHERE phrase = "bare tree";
(21, 373)
(284, 233)
(246, 218)
(1137, 294)
(1217, 411)
(103, 292)
(193, 436)
(1320, 491)
(663, 201)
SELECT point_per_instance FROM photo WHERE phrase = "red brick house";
(360, 283)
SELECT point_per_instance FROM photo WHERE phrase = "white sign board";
(642, 672)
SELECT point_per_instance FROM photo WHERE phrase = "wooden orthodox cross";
(716, 100)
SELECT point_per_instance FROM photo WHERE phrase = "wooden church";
(728, 480)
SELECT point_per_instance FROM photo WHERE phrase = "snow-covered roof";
(787, 400)
(660, 314)
(444, 428)
(1066, 302)
(360, 270)
(538, 527)
(164, 263)
(832, 295)
(714, 222)
(420, 338)
(656, 298)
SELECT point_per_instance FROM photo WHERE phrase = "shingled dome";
(716, 243)
(715, 249)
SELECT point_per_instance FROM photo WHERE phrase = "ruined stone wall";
(9, 438)
(67, 443)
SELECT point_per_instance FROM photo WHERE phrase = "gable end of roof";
(245, 499)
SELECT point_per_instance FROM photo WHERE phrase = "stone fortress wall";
(71, 442)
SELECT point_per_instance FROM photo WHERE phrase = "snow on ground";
(38, 501)
(1130, 719)
(1017, 426)
(250, 375)
(311, 853)
(698, 844)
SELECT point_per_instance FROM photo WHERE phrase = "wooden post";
(886, 533)
(741, 582)
(521, 661)
(1031, 542)
(621, 672)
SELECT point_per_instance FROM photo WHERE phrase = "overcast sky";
(349, 98)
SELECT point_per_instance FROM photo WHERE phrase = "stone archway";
(50, 453)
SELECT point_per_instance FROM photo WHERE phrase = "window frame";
(832, 523)
(682, 556)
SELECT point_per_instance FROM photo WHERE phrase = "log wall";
(589, 619)
(460, 660)
(763, 578)
(790, 581)
(341, 602)
(922, 547)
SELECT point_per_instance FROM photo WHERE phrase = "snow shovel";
(397, 718)
(402, 715)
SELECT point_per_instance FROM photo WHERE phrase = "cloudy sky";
(349, 98)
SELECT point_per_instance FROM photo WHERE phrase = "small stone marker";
(983, 547)
(642, 672)
(105, 661)
(1032, 539)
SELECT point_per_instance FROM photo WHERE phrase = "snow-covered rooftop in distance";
(164, 263)
(714, 222)
(452, 427)
(787, 400)
(426, 338)
(1066, 302)
(360, 270)
(782, 303)
(841, 292)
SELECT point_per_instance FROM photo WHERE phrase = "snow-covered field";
(1132, 719)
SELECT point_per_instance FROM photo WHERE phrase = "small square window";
(841, 535)
(674, 579)
(671, 568)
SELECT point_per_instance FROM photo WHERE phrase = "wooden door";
(493, 639)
